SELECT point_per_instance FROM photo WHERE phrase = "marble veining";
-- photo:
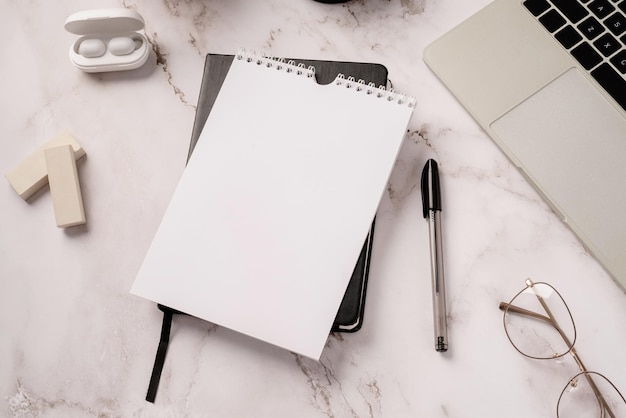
(75, 343)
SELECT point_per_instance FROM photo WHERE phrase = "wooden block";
(64, 186)
(31, 175)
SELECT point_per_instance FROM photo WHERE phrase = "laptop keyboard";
(594, 32)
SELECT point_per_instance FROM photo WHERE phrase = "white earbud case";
(109, 40)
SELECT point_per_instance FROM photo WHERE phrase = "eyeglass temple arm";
(550, 319)
(516, 309)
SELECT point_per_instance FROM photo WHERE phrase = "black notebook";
(350, 314)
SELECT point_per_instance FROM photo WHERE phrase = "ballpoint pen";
(431, 203)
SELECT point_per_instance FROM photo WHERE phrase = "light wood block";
(64, 186)
(31, 174)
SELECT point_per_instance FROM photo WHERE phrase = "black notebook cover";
(350, 314)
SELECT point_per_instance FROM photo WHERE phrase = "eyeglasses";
(539, 324)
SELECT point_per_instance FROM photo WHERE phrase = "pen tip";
(441, 345)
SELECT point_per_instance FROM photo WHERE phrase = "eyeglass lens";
(590, 395)
(538, 322)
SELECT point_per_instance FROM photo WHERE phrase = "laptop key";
(591, 28)
(568, 37)
(612, 82)
(601, 8)
(616, 23)
(607, 44)
(552, 20)
(586, 56)
(619, 61)
(536, 7)
(572, 10)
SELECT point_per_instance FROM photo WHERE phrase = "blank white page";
(269, 217)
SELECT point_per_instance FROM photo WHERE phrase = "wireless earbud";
(122, 45)
(92, 48)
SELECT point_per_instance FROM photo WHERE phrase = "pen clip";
(431, 191)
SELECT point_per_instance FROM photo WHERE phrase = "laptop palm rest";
(563, 152)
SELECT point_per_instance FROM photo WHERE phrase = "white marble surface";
(75, 343)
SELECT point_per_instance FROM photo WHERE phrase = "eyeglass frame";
(509, 307)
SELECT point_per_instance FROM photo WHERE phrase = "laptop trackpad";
(569, 141)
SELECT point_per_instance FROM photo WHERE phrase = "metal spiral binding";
(370, 89)
(273, 62)
(291, 67)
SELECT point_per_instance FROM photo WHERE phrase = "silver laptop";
(545, 79)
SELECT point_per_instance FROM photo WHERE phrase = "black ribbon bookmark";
(159, 360)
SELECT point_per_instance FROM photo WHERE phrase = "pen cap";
(431, 191)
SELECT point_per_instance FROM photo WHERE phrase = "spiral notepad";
(270, 214)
